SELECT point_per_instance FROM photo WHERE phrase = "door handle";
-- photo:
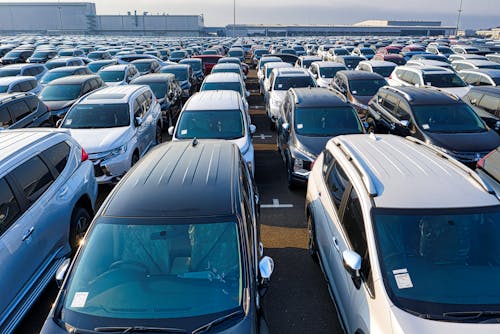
(336, 244)
(62, 192)
(28, 233)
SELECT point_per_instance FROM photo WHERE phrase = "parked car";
(267, 70)
(441, 50)
(217, 114)
(485, 101)
(481, 77)
(349, 61)
(197, 67)
(184, 74)
(118, 75)
(35, 70)
(229, 68)
(257, 54)
(146, 66)
(426, 56)
(208, 62)
(234, 60)
(428, 62)
(236, 52)
(23, 110)
(71, 52)
(394, 58)
(116, 126)
(60, 94)
(96, 65)
(16, 56)
(465, 56)
(488, 168)
(365, 52)
(99, 55)
(41, 56)
(203, 257)
(24, 84)
(435, 117)
(309, 117)
(325, 71)
(176, 56)
(227, 81)
(306, 61)
(468, 64)
(47, 198)
(66, 61)
(494, 57)
(61, 72)
(385, 248)
(384, 68)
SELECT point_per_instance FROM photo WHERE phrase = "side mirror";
(138, 121)
(315, 76)
(59, 123)
(404, 123)
(253, 128)
(352, 264)
(266, 268)
(285, 126)
(417, 85)
(247, 93)
(61, 272)
(171, 130)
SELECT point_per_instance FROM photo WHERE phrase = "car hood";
(57, 105)
(459, 91)
(113, 83)
(466, 142)
(100, 140)
(312, 145)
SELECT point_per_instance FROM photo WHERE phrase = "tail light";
(480, 163)
(85, 156)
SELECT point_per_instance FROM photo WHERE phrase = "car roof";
(117, 67)
(179, 179)
(388, 164)
(317, 97)
(176, 66)
(227, 66)
(154, 77)
(214, 100)
(427, 69)
(290, 72)
(356, 75)
(19, 66)
(424, 95)
(73, 79)
(493, 90)
(67, 68)
(223, 77)
(494, 73)
(477, 62)
(115, 94)
(329, 64)
(378, 63)
(10, 80)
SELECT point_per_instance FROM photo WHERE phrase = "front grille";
(469, 157)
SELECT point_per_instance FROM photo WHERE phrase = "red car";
(208, 62)
(391, 49)
(395, 58)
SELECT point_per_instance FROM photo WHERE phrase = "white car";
(116, 126)
(216, 114)
(118, 75)
(23, 84)
(324, 72)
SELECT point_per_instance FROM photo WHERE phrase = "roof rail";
(399, 91)
(360, 167)
(444, 91)
(339, 94)
(455, 162)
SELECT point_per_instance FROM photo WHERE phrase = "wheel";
(80, 221)
(312, 248)
(158, 134)
(135, 158)
(371, 125)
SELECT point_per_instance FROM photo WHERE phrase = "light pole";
(234, 18)
(459, 14)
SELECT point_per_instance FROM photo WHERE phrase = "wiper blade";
(138, 329)
(217, 321)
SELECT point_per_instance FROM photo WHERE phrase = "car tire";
(312, 248)
(135, 158)
(158, 134)
(80, 221)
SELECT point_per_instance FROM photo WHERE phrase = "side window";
(354, 227)
(33, 84)
(16, 88)
(138, 103)
(37, 70)
(9, 208)
(490, 104)
(390, 103)
(58, 155)
(327, 161)
(32, 103)
(19, 110)
(30, 71)
(337, 182)
(149, 99)
(26, 86)
(484, 81)
(402, 111)
(5, 119)
(34, 178)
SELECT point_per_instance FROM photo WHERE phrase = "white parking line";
(276, 205)
(263, 136)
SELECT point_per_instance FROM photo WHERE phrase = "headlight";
(119, 150)
(109, 154)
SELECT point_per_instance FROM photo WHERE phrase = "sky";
(476, 13)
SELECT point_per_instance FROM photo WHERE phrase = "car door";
(141, 131)
(20, 113)
(5, 118)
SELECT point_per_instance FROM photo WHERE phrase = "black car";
(433, 116)
(42, 56)
(174, 249)
(349, 61)
(488, 169)
(485, 101)
(147, 66)
(309, 117)
(168, 92)
(23, 110)
(16, 56)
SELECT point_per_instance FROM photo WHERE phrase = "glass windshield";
(157, 271)
(112, 76)
(65, 53)
(55, 64)
(440, 260)
(351, 62)
(60, 92)
(50, 76)
(443, 80)
(393, 51)
(444, 49)
(39, 54)
(495, 67)
(94, 67)
(178, 54)
(448, 118)
(367, 51)
(235, 86)
(384, 71)
(329, 122)
(226, 70)
(196, 66)
(366, 87)
(9, 72)
(158, 88)
(329, 72)
(285, 83)
(496, 81)
(341, 52)
(94, 116)
(13, 54)
(4, 89)
(218, 124)
(143, 67)
(235, 53)
(180, 73)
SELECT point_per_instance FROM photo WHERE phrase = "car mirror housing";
(286, 126)
(266, 268)
(352, 264)
(61, 272)
(171, 130)
(253, 128)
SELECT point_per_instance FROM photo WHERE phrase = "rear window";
(34, 178)
(285, 83)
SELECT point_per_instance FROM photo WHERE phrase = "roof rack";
(399, 91)
(456, 163)
(366, 177)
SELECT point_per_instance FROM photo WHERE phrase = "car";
(426, 56)
(494, 57)
(467, 49)
(384, 68)
(23, 110)
(335, 52)
(365, 52)
(60, 94)
(47, 198)
(306, 61)
(323, 51)
(26, 84)
(428, 62)
(234, 60)
(266, 74)
(485, 100)
(358, 87)
(257, 54)
(324, 72)
(208, 61)
(197, 67)
(349, 61)
(281, 80)
(441, 50)
(146, 66)
(388, 216)
(116, 126)
(228, 68)
(309, 117)
(227, 81)
(184, 74)
(176, 56)
(217, 114)
(61, 72)
(428, 76)
(167, 91)
(41, 56)
(71, 52)
(287, 58)
(262, 62)
(16, 56)
(434, 116)
(130, 57)
(481, 77)
(488, 168)
(468, 64)
(118, 75)
(193, 262)
(65, 61)
(96, 65)
(236, 52)
(99, 55)
(394, 58)
(35, 70)
(465, 56)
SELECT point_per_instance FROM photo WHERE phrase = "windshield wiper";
(460, 316)
(138, 329)
(217, 321)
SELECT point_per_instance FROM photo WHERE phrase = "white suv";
(406, 235)
(116, 126)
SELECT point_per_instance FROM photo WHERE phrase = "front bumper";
(111, 170)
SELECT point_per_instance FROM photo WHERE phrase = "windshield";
(448, 118)
(496, 81)
(285, 83)
(158, 88)
(495, 67)
(9, 72)
(235, 53)
(55, 64)
(178, 54)
(13, 54)
(39, 54)
(329, 72)
(60, 92)
(65, 53)
(218, 124)
(443, 80)
(384, 71)
(351, 62)
(112, 76)
(155, 271)
(195, 65)
(367, 51)
(366, 87)
(95, 66)
(180, 73)
(50, 76)
(444, 49)
(94, 116)
(333, 121)
(440, 260)
(226, 70)
(341, 52)
(143, 67)
(235, 86)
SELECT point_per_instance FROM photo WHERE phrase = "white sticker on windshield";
(300, 126)
(354, 92)
(428, 83)
(426, 126)
(403, 279)
(280, 86)
(69, 121)
(80, 299)
(184, 132)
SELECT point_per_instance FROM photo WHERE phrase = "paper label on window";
(354, 92)
(69, 121)
(184, 132)
(426, 126)
(300, 126)
(280, 86)
(403, 279)
(429, 83)
(80, 299)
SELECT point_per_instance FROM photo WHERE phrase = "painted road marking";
(262, 136)
(265, 147)
(276, 205)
